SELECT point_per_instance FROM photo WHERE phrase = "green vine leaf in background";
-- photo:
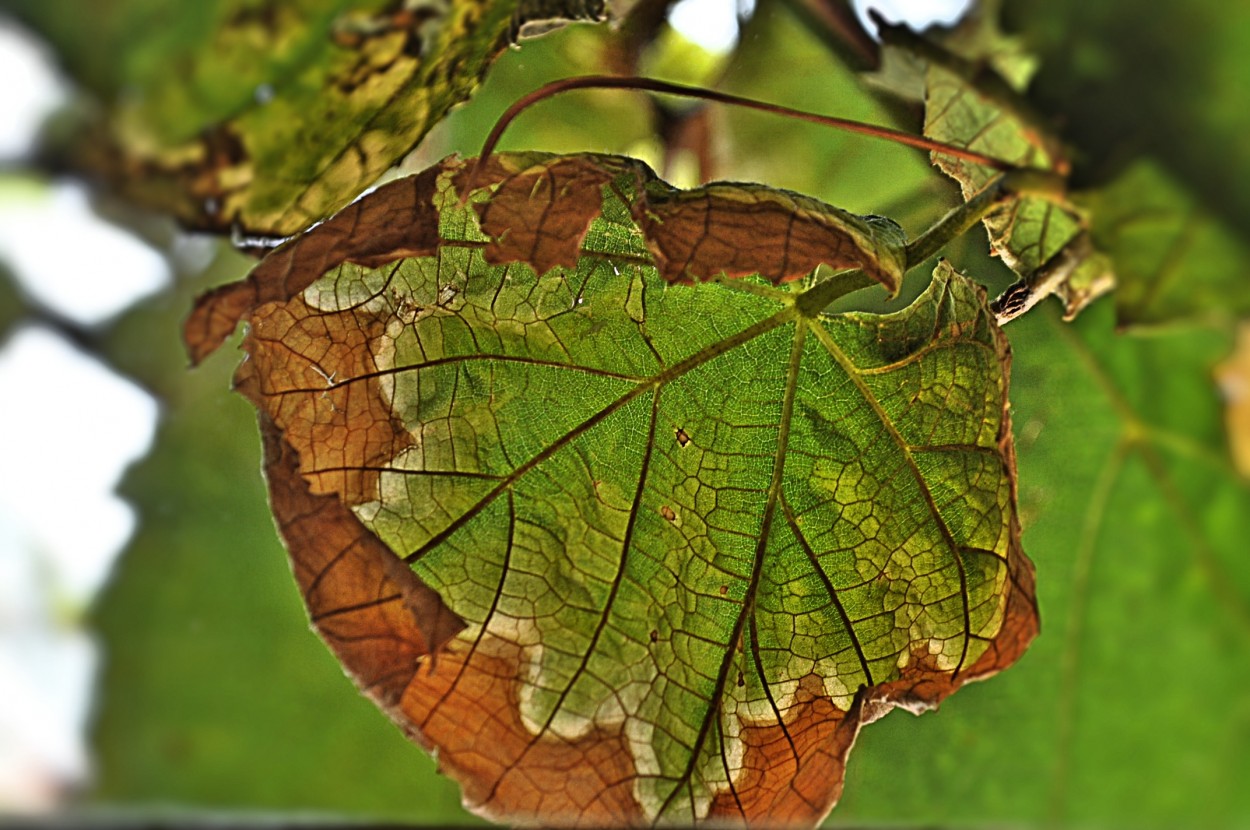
(1174, 258)
(973, 98)
(1141, 230)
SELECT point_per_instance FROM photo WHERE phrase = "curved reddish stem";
(652, 85)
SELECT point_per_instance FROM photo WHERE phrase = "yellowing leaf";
(266, 118)
(589, 495)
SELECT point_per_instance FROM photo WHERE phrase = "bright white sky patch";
(712, 24)
(30, 91)
(62, 254)
(919, 14)
(68, 258)
(70, 426)
(45, 683)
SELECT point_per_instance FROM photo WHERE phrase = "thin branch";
(664, 87)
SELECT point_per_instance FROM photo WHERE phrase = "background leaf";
(1173, 257)
(1028, 230)
(267, 118)
(1159, 122)
(1163, 85)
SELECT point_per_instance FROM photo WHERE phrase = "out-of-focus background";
(154, 654)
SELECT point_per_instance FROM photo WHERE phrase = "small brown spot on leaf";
(655, 636)
(682, 438)
(668, 514)
(724, 589)
(406, 311)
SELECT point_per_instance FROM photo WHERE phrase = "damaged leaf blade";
(1026, 232)
(695, 531)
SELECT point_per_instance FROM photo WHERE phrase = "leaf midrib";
(694, 361)
(748, 601)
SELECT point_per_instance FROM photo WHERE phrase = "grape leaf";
(264, 118)
(1028, 231)
(1174, 259)
(1170, 256)
(974, 79)
(583, 488)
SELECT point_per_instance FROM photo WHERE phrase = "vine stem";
(955, 223)
(667, 88)
(960, 219)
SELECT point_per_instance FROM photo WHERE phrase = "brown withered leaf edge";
(735, 230)
(387, 627)
(539, 214)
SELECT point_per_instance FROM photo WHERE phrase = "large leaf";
(1130, 710)
(265, 118)
(584, 489)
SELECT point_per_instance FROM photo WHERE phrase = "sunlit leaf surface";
(628, 535)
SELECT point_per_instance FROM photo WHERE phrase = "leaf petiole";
(817, 298)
